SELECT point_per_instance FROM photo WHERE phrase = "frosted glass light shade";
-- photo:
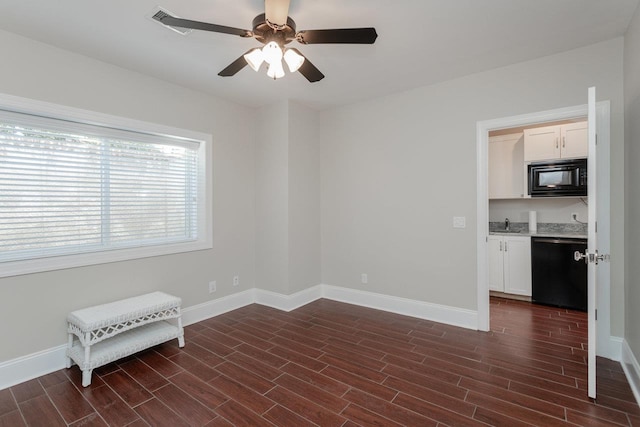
(275, 70)
(255, 58)
(293, 60)
(272, 53)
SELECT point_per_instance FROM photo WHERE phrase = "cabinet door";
(542, 143)
(574, 140)
(517, 265)
(506, 160)
(496, 269)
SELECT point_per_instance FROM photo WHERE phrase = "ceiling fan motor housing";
(265, 33)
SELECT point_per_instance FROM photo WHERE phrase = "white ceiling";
(420, 42)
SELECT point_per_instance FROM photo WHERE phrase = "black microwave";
(558, 178)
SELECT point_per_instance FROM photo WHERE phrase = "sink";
(507, 231)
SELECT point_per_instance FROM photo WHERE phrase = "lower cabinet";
(510, 264)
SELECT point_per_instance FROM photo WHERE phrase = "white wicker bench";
(111, 331)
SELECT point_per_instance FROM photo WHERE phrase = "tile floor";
(334, 364)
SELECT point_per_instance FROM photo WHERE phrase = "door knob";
(577, 256)
(600, 257)
(594, 258)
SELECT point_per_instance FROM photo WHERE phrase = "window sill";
(17, 268)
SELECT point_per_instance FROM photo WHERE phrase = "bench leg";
(69, 345)
(86, 377)
(181, 337)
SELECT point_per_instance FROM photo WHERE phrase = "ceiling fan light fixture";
(255, 58)
(275, 70)
(272, 53)
(274, 29)
(293, 59)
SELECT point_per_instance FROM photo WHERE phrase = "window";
(73, 192)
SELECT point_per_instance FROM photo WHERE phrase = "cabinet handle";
(505, 246)
(563, 140)
(556, 142)
(500, 246)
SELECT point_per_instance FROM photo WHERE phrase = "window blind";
(69, 188)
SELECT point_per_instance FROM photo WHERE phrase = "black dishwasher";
(557, 279)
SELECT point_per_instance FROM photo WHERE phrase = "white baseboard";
(614, 352)
(288, 302)
(216, 307)
(408, 307)
(34, 365)
(631, 369)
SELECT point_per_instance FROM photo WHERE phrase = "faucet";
(506, 224)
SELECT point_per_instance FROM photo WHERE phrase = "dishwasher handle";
(560, 241)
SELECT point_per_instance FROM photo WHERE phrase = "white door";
(592, 249)
(591, 255)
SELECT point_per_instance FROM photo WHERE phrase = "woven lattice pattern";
(95, 336)
(124, 344)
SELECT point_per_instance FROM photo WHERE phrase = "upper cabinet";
(556, 142)
(506, 180)
(575, 140)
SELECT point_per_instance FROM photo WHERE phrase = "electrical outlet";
(364, 278)
(574, 216)
(459, 222)
(212, 286)
(236, 280)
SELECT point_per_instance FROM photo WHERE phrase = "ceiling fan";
(275, 29)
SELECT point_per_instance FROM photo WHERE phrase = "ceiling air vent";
(158, 13)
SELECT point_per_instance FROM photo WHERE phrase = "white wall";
(304, 198)
(632, 189)
(556, 210)
(396, 170)
(33, 307)
(272, 198)
(288, 199)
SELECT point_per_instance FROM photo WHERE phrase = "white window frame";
(205, 188)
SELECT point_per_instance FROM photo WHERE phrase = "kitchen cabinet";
(510, 264)
(556, 142)
(506, 162)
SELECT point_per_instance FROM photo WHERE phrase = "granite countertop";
(539, 234)
(575, 230)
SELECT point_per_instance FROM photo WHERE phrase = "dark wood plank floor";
(334, 364)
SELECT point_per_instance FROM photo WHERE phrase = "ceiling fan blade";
(235, 66)
(341, 35)
(172, 21)
(276, 11)
(308, 70)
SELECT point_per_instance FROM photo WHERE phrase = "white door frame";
(604, 345)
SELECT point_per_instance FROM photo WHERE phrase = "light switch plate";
(459, 222)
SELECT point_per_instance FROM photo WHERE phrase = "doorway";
(604, 346)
